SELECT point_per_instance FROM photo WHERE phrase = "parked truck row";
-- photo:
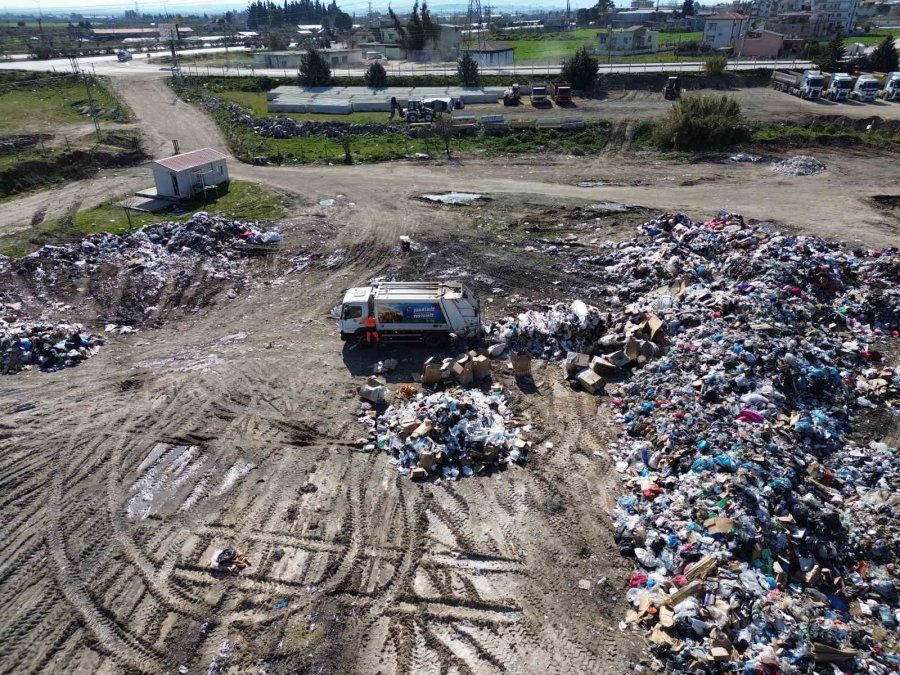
(813, 84)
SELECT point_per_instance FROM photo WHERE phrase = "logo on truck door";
(411, 312)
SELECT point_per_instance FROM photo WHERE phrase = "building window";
(221, 170)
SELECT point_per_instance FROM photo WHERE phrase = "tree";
(467, 69)
(715, 65)
(402, 38)
(884, 57)
(834, 52)
(314, 70)
(276, 42)
(375, 75)
(687, 9)
(343, 21)
(580, 70)
(442, 127)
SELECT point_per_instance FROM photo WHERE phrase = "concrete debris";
(801, 165)
(448, 434)
(47, 346)
(762, 533)
(375, 391)
(454, 198)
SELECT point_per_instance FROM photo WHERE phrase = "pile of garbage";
(447, 433)
(800, 165)
(151, 257)
(288, 127)
(764, 533)
(47, 346)
(553, 332)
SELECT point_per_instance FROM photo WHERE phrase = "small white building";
(190, 173)
(722, 30)
(493, 54)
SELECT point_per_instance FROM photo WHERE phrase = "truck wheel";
(435, 340)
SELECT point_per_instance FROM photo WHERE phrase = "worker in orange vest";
(371, 329)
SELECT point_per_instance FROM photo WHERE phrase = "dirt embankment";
(74, 165)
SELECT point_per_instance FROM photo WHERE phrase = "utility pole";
(90, 98)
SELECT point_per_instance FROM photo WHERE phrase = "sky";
(99, 7)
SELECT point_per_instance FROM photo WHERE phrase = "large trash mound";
(765, 539)
(448, 433)
(799, 165)
(130, 274)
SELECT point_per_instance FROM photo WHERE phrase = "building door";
(175, 184)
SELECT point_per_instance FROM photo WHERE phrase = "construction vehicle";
(539, 95)
(422, 110)
(837, 86)
(562, 92)
(123, 55)
(427, 311)
(890, 85)
(806, 84)
(672, 89)
(512, 96)
(865, 89)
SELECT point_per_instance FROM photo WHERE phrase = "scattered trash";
(47, 346)
(326, 202)
(384, 366)
(230, 559)
(454, 198)
(745, 157)
(375, 391)
(759, 528)
(590, 184)
(448, 433)
(800, 165)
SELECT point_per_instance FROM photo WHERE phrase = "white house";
(722, 30)
(632, 40)
(190, 173)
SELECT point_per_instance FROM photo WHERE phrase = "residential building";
(722, 30)
(633, 40)
(337, 57)
(760, 44)
(643, 4)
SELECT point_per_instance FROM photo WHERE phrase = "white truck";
(866, 89)
(805, 84)
(427, 311)
(837, 86)
(890, 86)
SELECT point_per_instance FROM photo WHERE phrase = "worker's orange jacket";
(369, 322)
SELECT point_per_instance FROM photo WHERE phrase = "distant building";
(650, 15)
(633, 40)
(761, 44)
(190, 173)
(337, 57)
(386, 41)
(643, 4)
(722, 30)
(492, 54)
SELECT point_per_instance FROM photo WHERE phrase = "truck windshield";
(352, 312)
(844, 84)
(815, 81)
(869, 86)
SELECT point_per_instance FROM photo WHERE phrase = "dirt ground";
(233, 422)
(757, 103)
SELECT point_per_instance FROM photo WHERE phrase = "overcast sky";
(88, 7)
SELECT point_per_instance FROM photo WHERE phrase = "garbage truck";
(837, 86)
(805, 84)
(890, 86)
(866, 88)
(426, 311)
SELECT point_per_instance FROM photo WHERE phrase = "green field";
(556, 46)
(874, 37)
(241, 201)
(43, 102)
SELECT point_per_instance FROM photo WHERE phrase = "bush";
(580, 71)
(884, 57)
(314, 70)
(832, 55)
(375, 76)
(715, 65)
(698, 120)
(467, 68)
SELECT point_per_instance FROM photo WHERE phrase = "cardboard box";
(576, 362)
(463, 373)
(590, 381)
(481, 367)
(431, 372)
(520, 362)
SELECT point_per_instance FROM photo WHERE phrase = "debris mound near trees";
(800, 165)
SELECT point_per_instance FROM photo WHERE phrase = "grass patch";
(873, 37)
(555, 46)
(46, 100)
(241, 201)
(819, 133)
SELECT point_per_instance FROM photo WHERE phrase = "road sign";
(167, 31)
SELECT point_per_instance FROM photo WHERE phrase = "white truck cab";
(420, 310)
(890, 87)
(866, 89)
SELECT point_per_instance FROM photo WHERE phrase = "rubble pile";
(800, 165)
(152, 257)
(447, 433)
(765, 538)
(553, 332)
(47, 346)
(288, 127)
